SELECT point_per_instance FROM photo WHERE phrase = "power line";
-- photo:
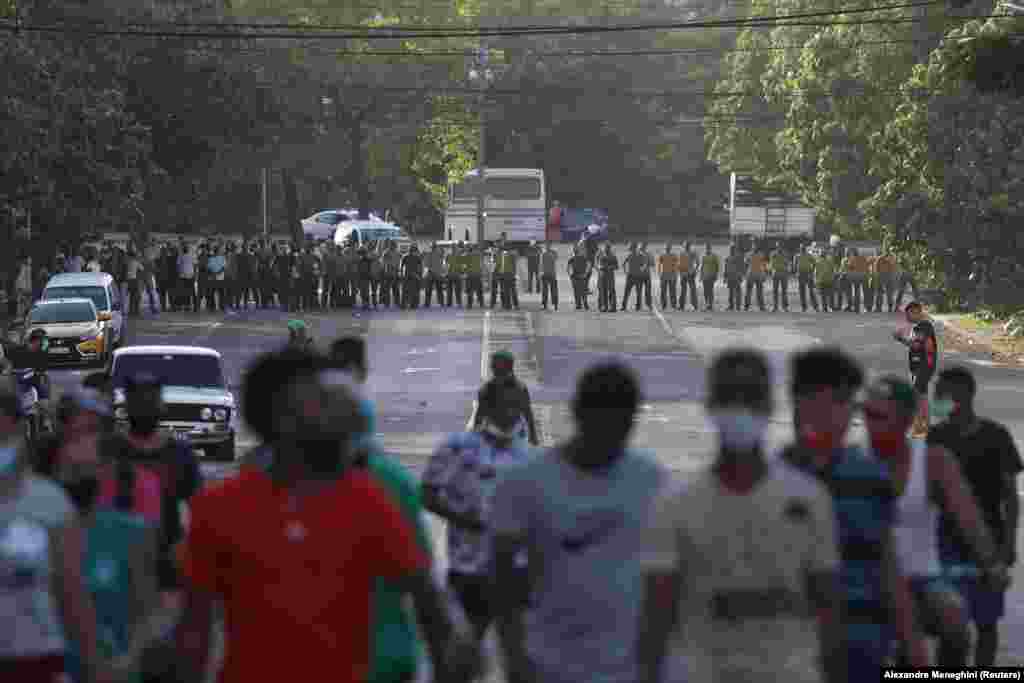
(409, 34)
(480, 30)
(624, 52)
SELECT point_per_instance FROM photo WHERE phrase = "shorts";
(920, 588)
(985, 606)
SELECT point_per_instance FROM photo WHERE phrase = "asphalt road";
(426, 366)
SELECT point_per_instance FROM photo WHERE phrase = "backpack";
(176, 470)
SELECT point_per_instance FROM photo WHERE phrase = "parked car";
(105, 295)
(77, 331)
(323, 224)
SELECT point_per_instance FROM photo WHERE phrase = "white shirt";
(743, 562)
(917, 518)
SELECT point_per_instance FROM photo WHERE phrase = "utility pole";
(481, 197)
(265, 194)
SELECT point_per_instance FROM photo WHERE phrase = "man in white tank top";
(928, 482)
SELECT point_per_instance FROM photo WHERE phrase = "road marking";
(409, 371)
(485, 345)
(420, 352)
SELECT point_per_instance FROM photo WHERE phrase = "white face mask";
(740, 430)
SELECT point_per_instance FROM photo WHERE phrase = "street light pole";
(484, 75)
(481, 197)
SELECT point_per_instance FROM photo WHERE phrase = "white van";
(361, 232)
(101, 289)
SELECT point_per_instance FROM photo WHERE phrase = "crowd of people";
(841, 279)
(219, 274)
(823, 561)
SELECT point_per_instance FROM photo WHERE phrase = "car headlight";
(121, 414)
(119, 396)
(205, 414)
(220, 415)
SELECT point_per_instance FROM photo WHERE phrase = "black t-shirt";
(494, 390)
(987, 456)
(919, 357)
(580, 266)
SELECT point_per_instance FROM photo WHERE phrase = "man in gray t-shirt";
(578, 510)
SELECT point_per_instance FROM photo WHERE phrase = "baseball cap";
(893, 389)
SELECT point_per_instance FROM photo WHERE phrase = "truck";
(758, 213)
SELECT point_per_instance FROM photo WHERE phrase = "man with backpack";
(174, 463)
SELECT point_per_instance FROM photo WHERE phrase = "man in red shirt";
(293, 553)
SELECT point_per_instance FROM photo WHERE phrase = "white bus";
(514, 204)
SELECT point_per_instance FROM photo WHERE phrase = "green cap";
(296, 325)
(503, 355)
(894, 389)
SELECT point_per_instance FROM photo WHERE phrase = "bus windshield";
(501, 189)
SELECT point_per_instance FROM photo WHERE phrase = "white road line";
(665, 325)
(409, 371)
(485, 347)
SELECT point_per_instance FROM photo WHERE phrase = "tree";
(953, 157)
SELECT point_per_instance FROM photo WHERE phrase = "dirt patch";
(966, 334)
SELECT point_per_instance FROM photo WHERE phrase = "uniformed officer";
(437, 275)
(667, 270)
(780, 279)
(755, 277)
(391, 287)
(804, 268)
(456, 271)
(634, 265)
(509, 267)
(885, 269)
(871, 284)
(580, 268)
(735, 267)
(473, 263)
(648, 274)
(857, 272)
(608, 265)
(412, 277)
(825, 277)
(494, 257)
(549, 276)
(709, 269)
(533, 254)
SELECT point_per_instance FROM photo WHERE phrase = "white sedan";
(321, 225)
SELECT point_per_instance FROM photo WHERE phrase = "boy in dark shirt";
(922, 358)
(990, 464)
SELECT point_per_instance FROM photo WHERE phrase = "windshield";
(79, 312)
(97, 294)
(183, 370)
(506, 189)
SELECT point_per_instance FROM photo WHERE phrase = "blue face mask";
(9, 460)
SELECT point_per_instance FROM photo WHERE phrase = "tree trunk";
(291, 204)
